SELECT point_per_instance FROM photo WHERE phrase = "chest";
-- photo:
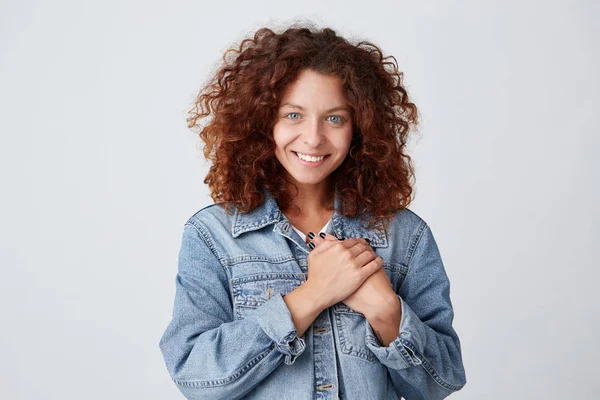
(276, 265)
(307, 224)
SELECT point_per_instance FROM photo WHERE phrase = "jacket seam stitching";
(428, 367)
(423, 226)
(416, 242)
(413, 249)
(209, 383)
(207, 239)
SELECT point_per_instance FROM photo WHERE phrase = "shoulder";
(210, 218)
(409, 222)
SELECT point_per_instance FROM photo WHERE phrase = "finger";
(372, 267)
(314, 239)
(358, 246)
(318, 239)
(328, 236)
(361, 240)
(323, 244)
(366, 257)
(351, 242)
(361, 248)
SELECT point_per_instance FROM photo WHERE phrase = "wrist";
(302, 308)
(382, 312)
(314, 297)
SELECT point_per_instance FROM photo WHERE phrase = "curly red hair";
(376, 178)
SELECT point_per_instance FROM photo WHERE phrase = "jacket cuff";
(404, 351)
(275, 319)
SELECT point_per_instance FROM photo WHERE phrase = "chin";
(308, 181)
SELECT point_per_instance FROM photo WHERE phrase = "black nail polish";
(368, 240)
(322, 234)
(311, 235)
(311, 245)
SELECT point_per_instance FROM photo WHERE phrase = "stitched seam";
(355, 349)
(396, 267)
(291, 276)
(416, 241)
(250, 258)
(207, 383)
(207, 239)
(403, 352)
(412, 250)
(428, 366)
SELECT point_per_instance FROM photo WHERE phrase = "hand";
(374, 294)
(337, 268)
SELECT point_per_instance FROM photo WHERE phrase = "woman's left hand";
(375, 294)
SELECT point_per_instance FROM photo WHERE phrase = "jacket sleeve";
(425, 360)
(208, 354)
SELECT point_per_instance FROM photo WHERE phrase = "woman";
(308, 135)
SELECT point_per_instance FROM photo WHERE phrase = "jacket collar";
(268, 212)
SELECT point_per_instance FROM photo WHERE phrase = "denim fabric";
(232, 337)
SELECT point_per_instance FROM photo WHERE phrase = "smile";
(310, 161)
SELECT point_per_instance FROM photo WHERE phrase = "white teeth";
(309, 158)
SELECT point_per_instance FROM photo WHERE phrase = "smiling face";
(313, 119)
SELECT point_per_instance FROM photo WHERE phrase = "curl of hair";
(376, 178)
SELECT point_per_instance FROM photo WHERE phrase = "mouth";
(311, 163)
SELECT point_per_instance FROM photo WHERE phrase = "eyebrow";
(345, 108)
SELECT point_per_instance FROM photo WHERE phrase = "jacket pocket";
(249, 292)
(352, 327)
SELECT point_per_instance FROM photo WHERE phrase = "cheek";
(283, 139)
(280, 144)
(280, 136)
(344, 142)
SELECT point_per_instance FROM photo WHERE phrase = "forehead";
(314, 90)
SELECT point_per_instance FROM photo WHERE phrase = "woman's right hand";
(337, 268)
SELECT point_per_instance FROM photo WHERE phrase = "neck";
(312, 200)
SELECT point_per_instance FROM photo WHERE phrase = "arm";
(303, 307)
(385, 321)
(208, 354)
(424, 360)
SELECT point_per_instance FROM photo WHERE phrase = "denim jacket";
(231, 335)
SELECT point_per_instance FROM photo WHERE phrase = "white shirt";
(303, 236)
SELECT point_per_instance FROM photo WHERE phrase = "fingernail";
(311, 235)
(311, 245)
(368, 240)
(322, 234)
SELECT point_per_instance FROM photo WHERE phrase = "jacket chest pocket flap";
(351, 327)
(249, 292)
(351, 324)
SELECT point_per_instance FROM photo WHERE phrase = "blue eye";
(340, 119)
(287, 115)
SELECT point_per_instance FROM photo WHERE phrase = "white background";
(99, 173)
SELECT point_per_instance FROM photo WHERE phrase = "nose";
(313, 134)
